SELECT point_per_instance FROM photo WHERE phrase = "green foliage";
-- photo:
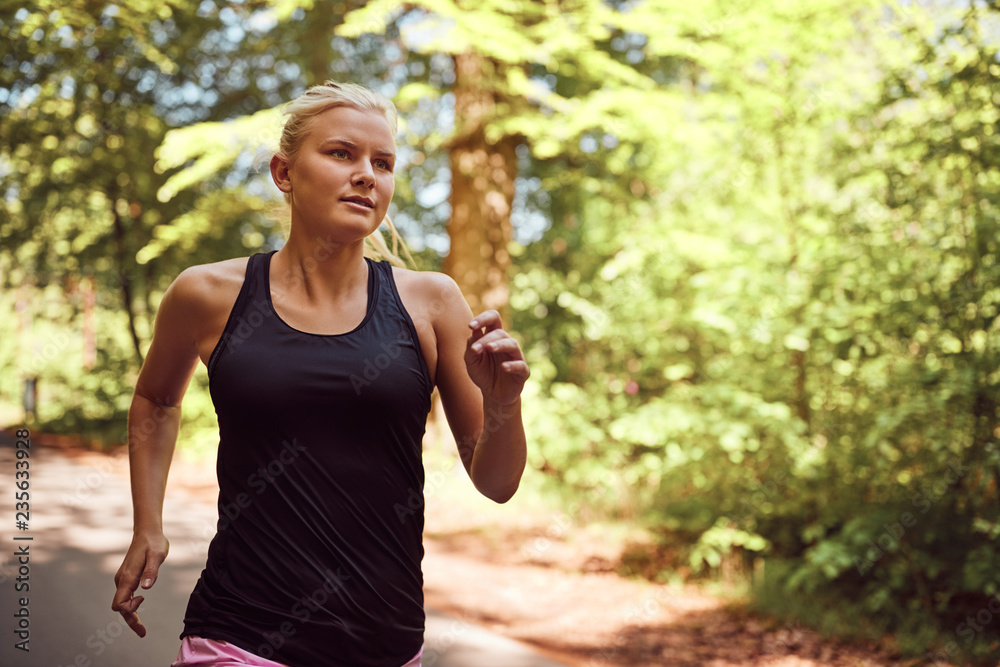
(787, 339)
(46, 341)
(87, 94)
(762, 311)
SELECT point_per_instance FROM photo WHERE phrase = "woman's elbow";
(499, 495)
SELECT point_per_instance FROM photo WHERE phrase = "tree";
(789, 354)
(501, 60)
(79, 191)
(482, 190)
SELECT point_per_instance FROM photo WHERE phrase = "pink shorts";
(201, 652)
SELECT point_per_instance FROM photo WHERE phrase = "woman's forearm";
(152, 436)
(501, 452)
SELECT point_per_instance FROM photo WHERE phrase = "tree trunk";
(801, 396)
(321, 22)
(482, 193)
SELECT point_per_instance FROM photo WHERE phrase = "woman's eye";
(383, 164)
(338, 153)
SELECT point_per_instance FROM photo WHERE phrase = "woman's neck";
(318, 269)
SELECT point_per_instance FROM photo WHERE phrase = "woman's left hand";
(494, 359)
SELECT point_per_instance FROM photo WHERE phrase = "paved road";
(80, 527)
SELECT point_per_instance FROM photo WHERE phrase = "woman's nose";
(364, 174)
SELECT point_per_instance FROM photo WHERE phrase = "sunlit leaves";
(213, 147)
(86, 94)
(214, 217)
(820, 239)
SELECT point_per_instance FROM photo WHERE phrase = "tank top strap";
(386, 284)
(256, 280)
(253, 291)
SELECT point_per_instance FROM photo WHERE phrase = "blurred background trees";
(750, 248)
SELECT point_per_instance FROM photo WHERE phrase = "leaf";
(213, 147)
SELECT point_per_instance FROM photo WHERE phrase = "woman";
(321, 363)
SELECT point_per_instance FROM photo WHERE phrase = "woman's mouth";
(360, 201)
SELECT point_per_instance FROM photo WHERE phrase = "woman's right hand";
(141, 565)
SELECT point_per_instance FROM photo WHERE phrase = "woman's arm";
(480, 374)
(153, 421)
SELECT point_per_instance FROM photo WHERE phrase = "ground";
(540, 576)
(533, 573)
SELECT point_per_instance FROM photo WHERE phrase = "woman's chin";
(341, 232)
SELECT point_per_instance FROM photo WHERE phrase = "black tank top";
(316, 561)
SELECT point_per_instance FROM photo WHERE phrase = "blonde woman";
(321, 363)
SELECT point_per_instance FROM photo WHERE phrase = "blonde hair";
(330, 95)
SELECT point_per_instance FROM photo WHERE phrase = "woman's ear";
(279, 172)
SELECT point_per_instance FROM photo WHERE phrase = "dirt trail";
(551, 584)
(535, 575)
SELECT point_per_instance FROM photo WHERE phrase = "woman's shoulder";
(423, 280)
(429, 287)
(210, 285)
(434, 296)
(216, 273)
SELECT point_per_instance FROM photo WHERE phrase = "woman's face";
(341, 181)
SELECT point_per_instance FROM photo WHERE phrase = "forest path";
(80, 528)
(515, 585)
